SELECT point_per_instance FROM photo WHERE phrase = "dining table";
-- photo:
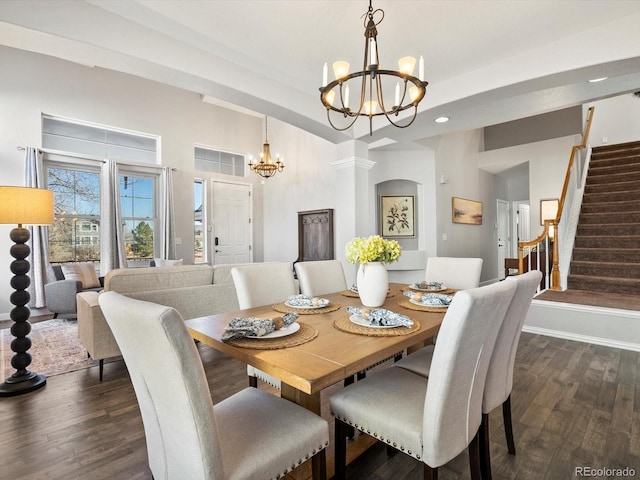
(328, 347)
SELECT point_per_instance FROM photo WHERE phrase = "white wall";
(307, 183)
(616, 118)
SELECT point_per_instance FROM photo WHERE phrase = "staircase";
(606, 254)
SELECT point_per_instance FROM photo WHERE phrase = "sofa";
(193, 290)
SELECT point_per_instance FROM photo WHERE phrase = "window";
(98, 141)
(216, 161)
(74, 174)
(137, 202)
(75, 233)
(199, 232)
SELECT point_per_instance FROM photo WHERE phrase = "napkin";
(381, 317)
(428, 285)
(256, 327)
(306, 301)
(429, 299)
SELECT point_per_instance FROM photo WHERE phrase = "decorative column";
(355, 206)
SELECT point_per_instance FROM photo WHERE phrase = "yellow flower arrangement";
(372, 249)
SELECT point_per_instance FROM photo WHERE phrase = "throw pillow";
(85, 272)
(167, 263)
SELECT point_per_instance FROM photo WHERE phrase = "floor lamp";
(32, 206)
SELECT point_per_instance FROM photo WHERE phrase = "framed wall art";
(466, 211)
(397, 215)
(548, 209)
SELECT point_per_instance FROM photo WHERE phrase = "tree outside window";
(75, 234)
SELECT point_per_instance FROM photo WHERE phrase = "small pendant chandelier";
(266, 167)
(409, 90)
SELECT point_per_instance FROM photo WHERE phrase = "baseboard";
(609, 327)
(605, 342)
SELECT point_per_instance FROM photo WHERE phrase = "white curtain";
(39, 257)
(168, 247)
(112, 251)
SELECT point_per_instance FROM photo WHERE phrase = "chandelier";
(409, 90)
(266, 167)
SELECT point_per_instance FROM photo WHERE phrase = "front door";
(231, 224)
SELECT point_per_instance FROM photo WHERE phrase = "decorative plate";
(358, 320)
(428, 286)
(283, 332)
(306, 301)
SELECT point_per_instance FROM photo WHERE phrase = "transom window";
(217, 161)
(99, 141)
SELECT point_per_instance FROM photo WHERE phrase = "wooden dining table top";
(331, 356)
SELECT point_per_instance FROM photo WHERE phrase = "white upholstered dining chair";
(499, 381)
(260, 284)
(431, 419)
(320, 277)
(249, 435)
(455, 272)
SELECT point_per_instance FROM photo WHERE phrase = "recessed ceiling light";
(596, 80)
(441, 119)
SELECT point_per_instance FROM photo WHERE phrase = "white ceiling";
(487, 61)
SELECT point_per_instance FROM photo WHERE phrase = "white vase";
(373, 283)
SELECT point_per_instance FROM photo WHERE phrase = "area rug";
(55, 348)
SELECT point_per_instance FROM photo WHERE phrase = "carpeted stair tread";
(604, 284)
(629, 185)
(606, 269)
(628, 168)
(605, 254)
(597, 165)
(614, 205)
(619, 177)
(604, 218)
(614, 196)
(608, 241)
(615, 149)
(612, 229)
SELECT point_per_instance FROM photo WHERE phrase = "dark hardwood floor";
(574, 405)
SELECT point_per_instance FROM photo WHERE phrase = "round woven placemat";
(304, 335)
(283, 308)
(346, 325)
(420, 308)
(352, 294)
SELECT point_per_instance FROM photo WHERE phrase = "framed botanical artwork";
(397, 215)
(466, 211)
(548, 209)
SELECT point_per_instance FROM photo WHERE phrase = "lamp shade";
(26, 205)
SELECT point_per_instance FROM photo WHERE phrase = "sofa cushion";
(84, 272)
(159, 262)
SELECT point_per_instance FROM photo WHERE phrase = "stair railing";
(542, 253)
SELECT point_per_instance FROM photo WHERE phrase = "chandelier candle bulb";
(325, 74)
(420, 68)
(346, 97)
(371, 107)
(397, 103)
(406, 65)
(340, 69)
